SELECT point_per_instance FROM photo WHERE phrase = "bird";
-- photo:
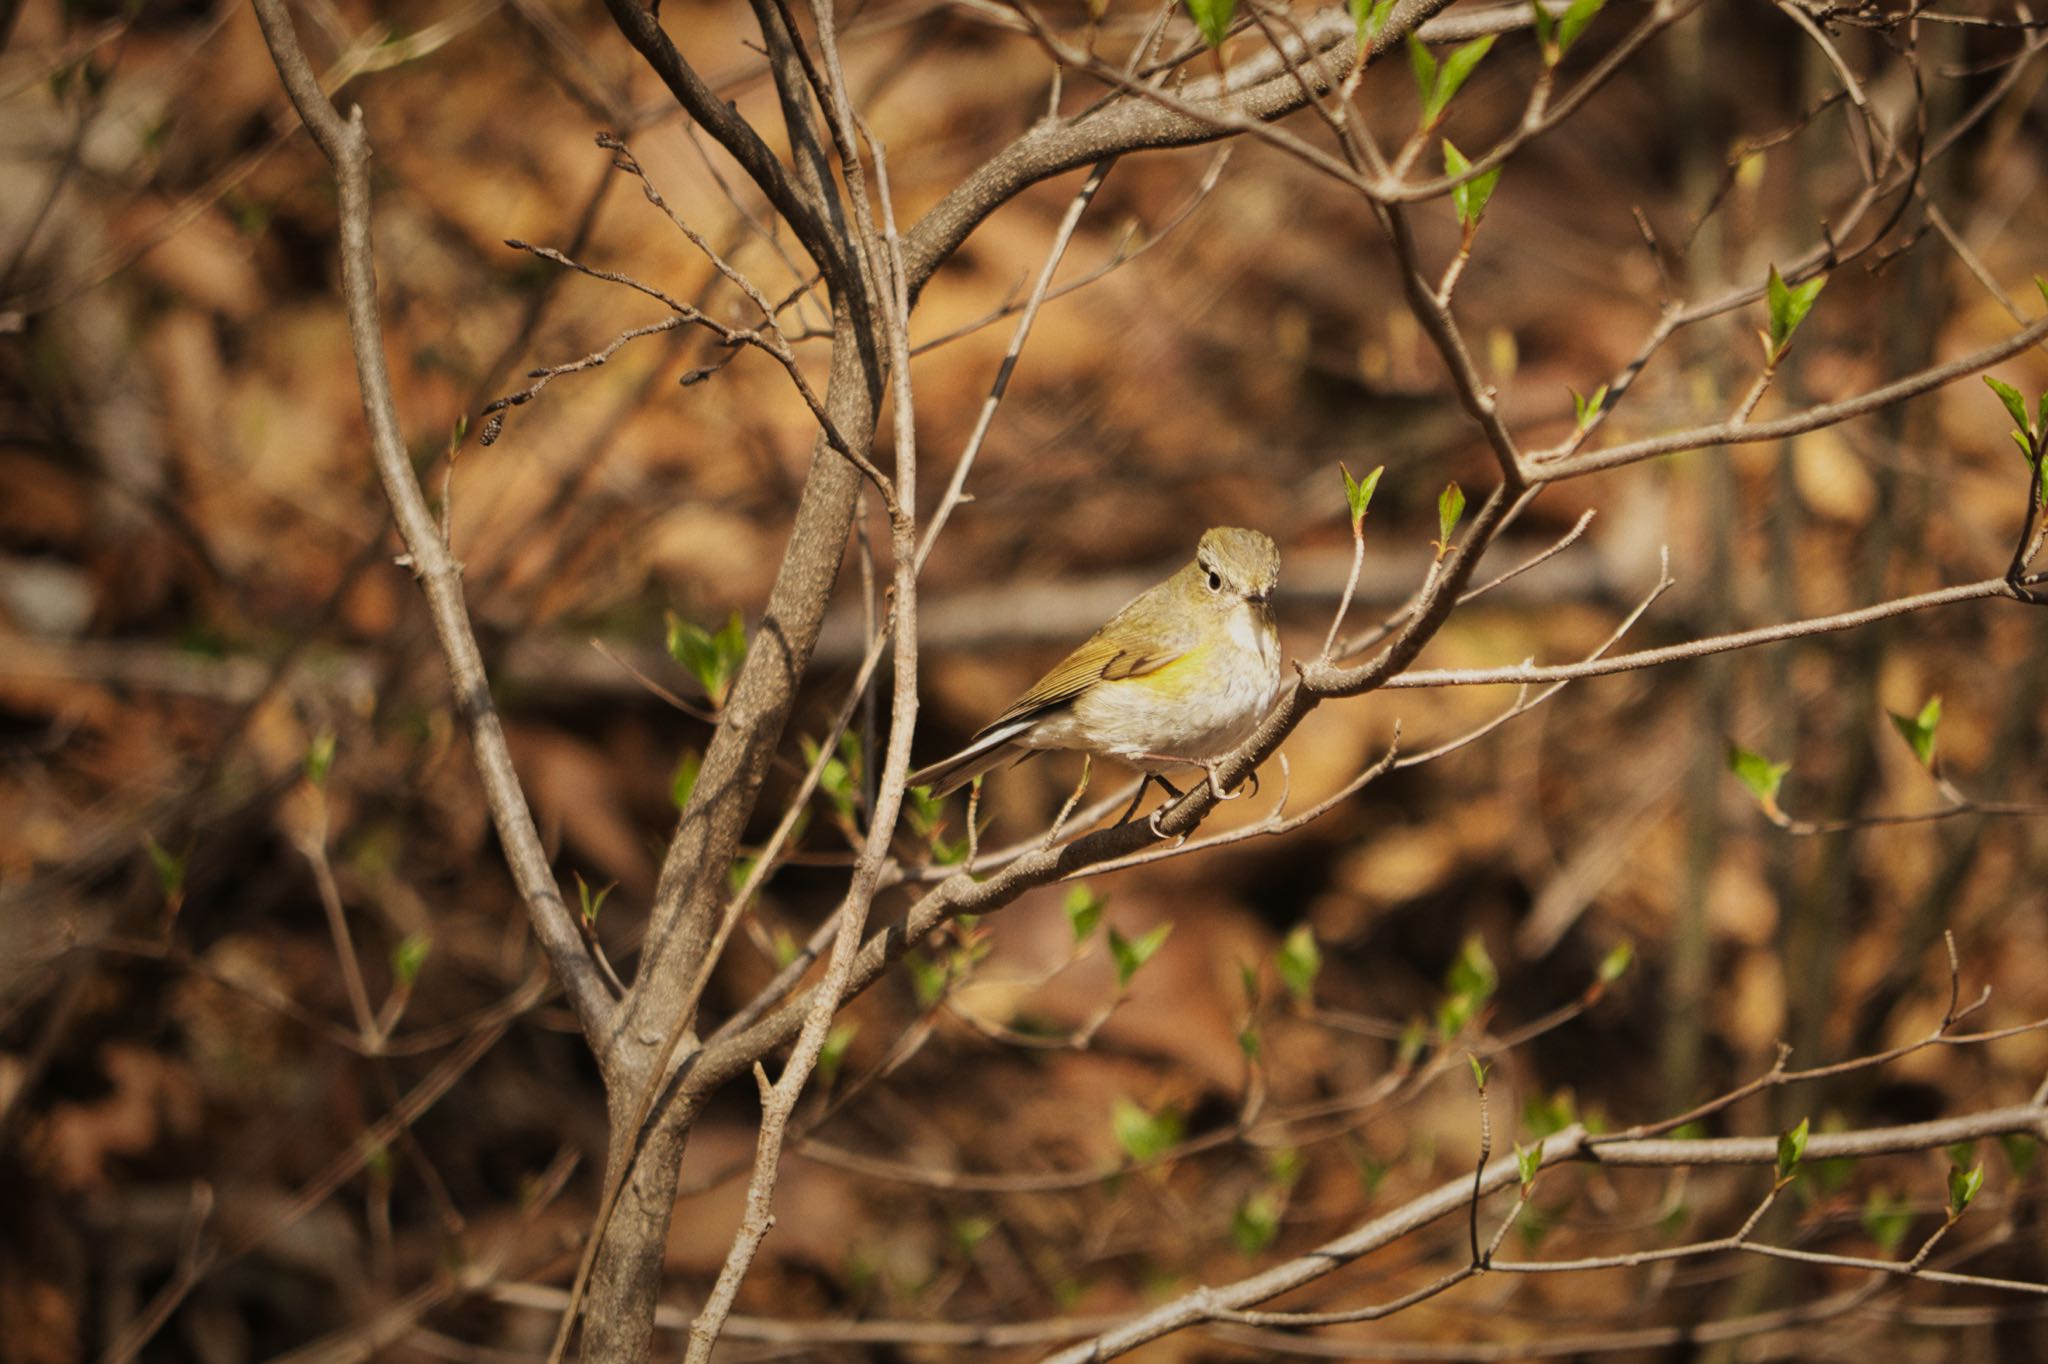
(1177, 678)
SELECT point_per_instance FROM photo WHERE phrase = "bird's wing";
(1112, 654)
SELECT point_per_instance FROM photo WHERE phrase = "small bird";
(1177, 678)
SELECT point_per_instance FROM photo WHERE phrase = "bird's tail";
(988, 751)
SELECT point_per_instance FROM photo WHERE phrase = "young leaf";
(1144, 1136)
(1450, 75)
(1886, 1218)
(1615, 964)
(1918, 730)
(1408, 1050)
(1213, 18)
(1791, 1147)
(1478, 1069)
(927, 978)
(1789, 305)
(1546, 30)
(408, 957)
(1298, 961)
(714, 660)
(1358, 492)
(592, 902)
(1131, 953)
(1283, 1166)
(1574, 22)
(1588, 408)
(1369, 17)
(2014, 403)
(833, 1053)
(1084, 911)
(685, 780)
(1963, 1185)
(1469, 198)
(1423, 64)
(170, 866)
(1255, 1223)
(320, 757)
(1473, 973)
(1762, 776)
(1528, 1160)
(1450, 509)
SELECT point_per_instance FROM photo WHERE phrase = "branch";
(1699, 648)
(1572, 1144)
(804, 214)
(347, 149)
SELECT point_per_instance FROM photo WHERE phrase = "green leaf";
(1213, 18)
(1473, 973)
(1467, 986)
(1762, 776)
(922, 811)
(1369, 17)
(1469, 198)
(409, 956)
(1423, 64)
(1452, 74)
(786, 948)
(320, 757)
(170, 866)
(1546, 30)
(1574, 22)
(714, 660)
(1408, 1050)
(1918, 730)
(1588, 408)
(685, 780)
(1283, 1166)
(592, 903)
(833, 1053)
(1299, 961)
(1358, 492)
(1084, 911)
(1789, 305)
(927, 978)
(2014, 403)
(969, 1232)
(1615, 964)
(1256, 1223)
(1886, 1218)
(1144, 1136)
(838, 777)
(1131, 953)
(1528, 1161)
(1478, 1069)
(1450, 509)
(1963, 1185)
(1791, 1147)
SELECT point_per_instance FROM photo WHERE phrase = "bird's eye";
(1215, 581)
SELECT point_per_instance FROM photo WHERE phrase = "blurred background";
(225, 732)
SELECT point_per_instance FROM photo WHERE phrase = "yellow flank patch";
(1176, 680)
